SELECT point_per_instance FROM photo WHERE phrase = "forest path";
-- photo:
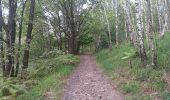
(88, 82)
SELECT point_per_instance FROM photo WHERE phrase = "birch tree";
(168, 13)
(117, 22)
(141, 48)
(150, 33)
(128, 22)
(165, 24)
(108, 27)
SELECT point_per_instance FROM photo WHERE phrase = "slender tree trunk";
(159, 16)
(168, 13)
(1, 43)
(151, 36)
(28, 36)
(11, 38)
(117, 23)
(126, 28)
(61, 42)
(146, 26)
(128, 21)
(66, 48)
(165, 21)
(141, 48)
(108, 27)
(19, 37)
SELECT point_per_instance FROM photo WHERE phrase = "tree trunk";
(108, 27)
(61, 42)
(1, 43)
(28, 36)
(19, 38)
(159, 16)
(11, 38)
(73, 39)
(151, 36)
(165, 12)
(128, 21)
(168, 13)
(141, 49)
(117, 23)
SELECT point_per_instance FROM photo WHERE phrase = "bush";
(43, 67)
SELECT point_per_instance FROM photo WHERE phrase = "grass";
(138, 82)
(54, 83)
(43, 76)
(130, 87)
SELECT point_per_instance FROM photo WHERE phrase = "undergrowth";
(43, 75)
(135, 81)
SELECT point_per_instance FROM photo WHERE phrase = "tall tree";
(141, 48)
(168, 13)
(29, 34)
(150, 33)
(117, 23)
(20, 36)
(128, 21)
(1, 42)
(165, 24)
(11, 37)
(108, 27)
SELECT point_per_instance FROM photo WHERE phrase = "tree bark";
(1, 43)
(11, 38)
(28, 36)
(117, 23)
(165, 25)
(168, 13)
(151, 36)
(159, 16)
(128, 22)
(108, 28)
(19, 38)
(141, 48)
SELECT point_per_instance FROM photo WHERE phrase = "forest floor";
(88, 82)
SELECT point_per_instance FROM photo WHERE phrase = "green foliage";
(128, 55)
(42, 67)
(113, 60)
(145, 78)
(130, 87)
(166, 96)
(157, 80)
(53, 81)
(41, 46)
(41, 75)
(11, 90)
(52, 54)
(49, 74)
(138, 97)
(85, 39)
(164, 52)
(143, 74)
(5, 91)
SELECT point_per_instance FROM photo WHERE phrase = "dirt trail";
(89, 83)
